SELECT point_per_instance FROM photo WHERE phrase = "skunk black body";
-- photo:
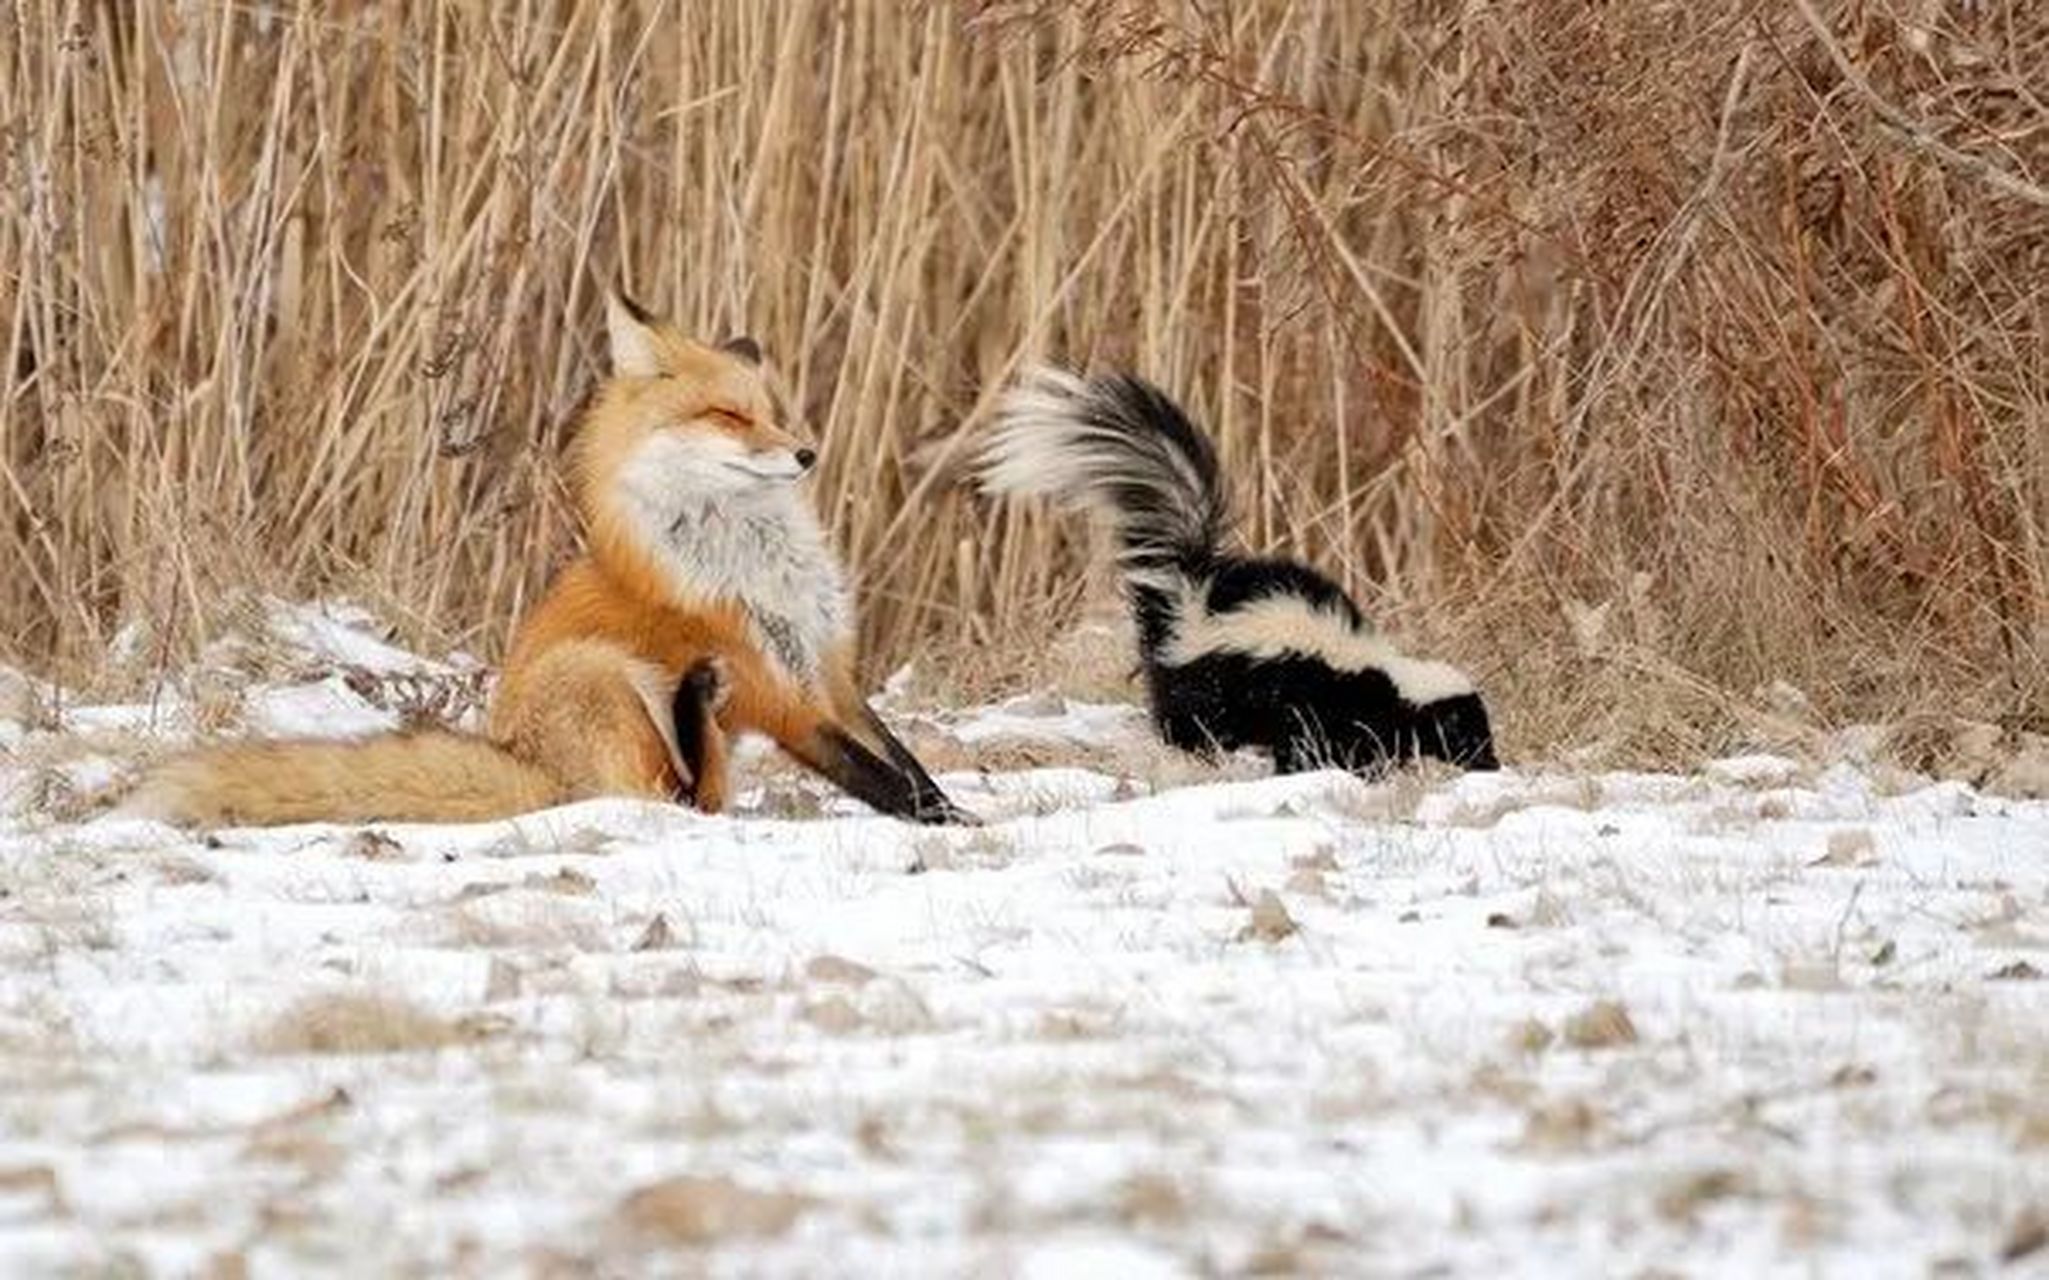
(1237, 651)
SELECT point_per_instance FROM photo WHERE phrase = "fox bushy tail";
(428, 776)
(1118, 446)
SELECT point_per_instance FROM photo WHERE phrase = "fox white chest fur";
(768, 553)
(757, 545)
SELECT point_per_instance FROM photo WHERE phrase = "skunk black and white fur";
(1237, 651)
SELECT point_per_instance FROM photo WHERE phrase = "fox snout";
(782, 459)
(775, 451)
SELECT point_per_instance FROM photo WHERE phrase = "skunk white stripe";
(1273, 625)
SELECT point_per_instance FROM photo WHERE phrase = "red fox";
(707, 603)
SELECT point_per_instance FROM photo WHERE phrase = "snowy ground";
(1771, 1017)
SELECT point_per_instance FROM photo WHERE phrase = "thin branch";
(1914, 132)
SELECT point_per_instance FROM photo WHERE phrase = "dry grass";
(358, 1022)
(1638, 355)
(690, 1210)
(1603, 1024)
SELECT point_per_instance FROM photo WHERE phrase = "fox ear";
(742, 346)
(630, 328)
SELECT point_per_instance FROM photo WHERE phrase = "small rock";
(657, 936)
(1679, 1200)
(565, 880)
(2018, 971)
(2029, 1236)
(372, 846)
(1853, 1075)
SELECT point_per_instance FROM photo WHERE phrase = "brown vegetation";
(357, 1022)
(1639, 355)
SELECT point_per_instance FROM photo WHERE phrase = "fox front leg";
(841, 758)
(700, 741)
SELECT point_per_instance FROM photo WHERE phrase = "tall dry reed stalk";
(1653, 358)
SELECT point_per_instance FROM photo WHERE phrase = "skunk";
(1237, 651)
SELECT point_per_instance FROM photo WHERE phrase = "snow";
(347, 634)
(1048, 717)
(1060, 1044)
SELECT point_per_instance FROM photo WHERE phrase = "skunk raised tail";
(1238, 651)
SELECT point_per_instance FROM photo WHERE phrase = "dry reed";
(1655, 359)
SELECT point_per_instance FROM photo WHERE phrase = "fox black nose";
(805, 457)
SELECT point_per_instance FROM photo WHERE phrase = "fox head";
(681, 423)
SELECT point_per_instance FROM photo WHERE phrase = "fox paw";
(709, 683)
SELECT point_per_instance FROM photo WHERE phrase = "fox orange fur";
(707, 603)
